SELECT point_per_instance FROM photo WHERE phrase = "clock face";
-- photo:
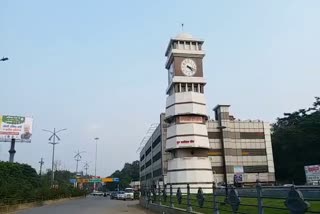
(188, 67)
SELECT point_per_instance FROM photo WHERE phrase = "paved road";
(89, 205)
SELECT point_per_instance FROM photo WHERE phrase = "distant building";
(135, 185)
(186, 147)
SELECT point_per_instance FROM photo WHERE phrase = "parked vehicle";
(97, 193)
(129, 193)
(113, 195)
(121, 195)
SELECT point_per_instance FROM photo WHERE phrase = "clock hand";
(188, 66)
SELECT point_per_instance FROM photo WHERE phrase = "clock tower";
(186, 113)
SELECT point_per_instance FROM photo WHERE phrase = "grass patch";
(248, 205)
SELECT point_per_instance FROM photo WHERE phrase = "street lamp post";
(224, 159)
(95, 164)
(86, 167)
(77, 158)
(53, 138)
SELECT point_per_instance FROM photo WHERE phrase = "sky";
(97, 68)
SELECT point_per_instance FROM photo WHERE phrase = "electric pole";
(41, 163)
(53, 138)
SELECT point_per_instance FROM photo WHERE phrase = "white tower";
(186, 114)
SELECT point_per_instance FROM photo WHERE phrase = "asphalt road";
(89, 205)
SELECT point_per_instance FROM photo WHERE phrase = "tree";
(296, 143)
(18, 180)
(129, 172)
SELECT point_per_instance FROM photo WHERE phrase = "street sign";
(116, 180)
(72, 181)
(95, 180)
(83, 180)
(107, 180)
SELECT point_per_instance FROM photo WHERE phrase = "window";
(142, 157)
(157, 172)
(148, 176)
(195, 88)
(176, 88)
(201, 89)
(187, 45)
(148, 163)
(156, 157)
(200, 46)
(189, 87)
(148, 151)
(156, 142)
(251, 135)
(255, 169)
(193, 46)
(183, 87)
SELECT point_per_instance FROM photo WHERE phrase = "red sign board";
(191, 119)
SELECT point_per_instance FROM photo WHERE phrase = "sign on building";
(15, 127)
(312, 173)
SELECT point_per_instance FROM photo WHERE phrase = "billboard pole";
(12, 151)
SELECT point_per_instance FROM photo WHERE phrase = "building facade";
(241, 148)
(186, 147)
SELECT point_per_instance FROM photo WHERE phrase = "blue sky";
(97, 67)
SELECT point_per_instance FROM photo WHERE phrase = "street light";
(224, 159)
(53, 138)
(95, 164)
(4, 59)
(77, 158)
(86, 167)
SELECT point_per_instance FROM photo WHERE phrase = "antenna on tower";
(182, 26)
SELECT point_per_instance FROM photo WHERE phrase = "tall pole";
(53, 138)
(41, 163)
(224, 165)
(53, 148)
(12, 151)
(86, 167)
(77, 158)
(77, 166)
(95, 164)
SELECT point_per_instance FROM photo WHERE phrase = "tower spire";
(182, 25)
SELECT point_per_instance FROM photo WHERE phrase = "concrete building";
(186, 147)
(186, 114)
(243, 145)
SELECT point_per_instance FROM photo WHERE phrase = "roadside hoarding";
(15, 127)
(312, 173)
(107, 180)
(238, 174)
